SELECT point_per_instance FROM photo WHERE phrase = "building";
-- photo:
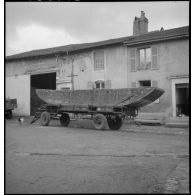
(158, 58)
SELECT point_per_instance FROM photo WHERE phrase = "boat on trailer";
(103, 105)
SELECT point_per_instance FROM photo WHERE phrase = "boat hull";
(130, 97)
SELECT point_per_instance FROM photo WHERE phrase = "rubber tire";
(115, 124)
(99, 121)
(64, 120)
(8, 114)
(45, 118)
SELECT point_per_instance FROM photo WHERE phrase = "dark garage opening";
(40, 81)
(182, 99)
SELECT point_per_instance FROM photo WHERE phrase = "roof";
(69, 48)
(130, 40)
(159, 35)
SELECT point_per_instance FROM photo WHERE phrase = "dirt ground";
(54, 159)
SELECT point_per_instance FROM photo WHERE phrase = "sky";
(39, 25)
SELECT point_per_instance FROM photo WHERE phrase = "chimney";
(140, 25)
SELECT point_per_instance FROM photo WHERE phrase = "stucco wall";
(115, 68)
(31, 66)
(19, 87)
(173, 59)
(18, 80)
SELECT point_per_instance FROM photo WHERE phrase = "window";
(65, 88)
(99, 84)
(146, 83)
(144, 59)
(98, 60)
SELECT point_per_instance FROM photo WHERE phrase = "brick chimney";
(140, 25)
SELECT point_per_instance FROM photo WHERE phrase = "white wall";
(19, 87)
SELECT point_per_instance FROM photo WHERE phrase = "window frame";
(101, 84)
(140, 81)
(139, 67)
(95, 66)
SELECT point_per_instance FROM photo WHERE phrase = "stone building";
(158, 58)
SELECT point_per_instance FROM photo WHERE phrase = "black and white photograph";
(97, 97)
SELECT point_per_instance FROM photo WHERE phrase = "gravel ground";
(80, 159)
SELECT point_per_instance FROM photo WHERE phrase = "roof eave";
(70, 51)
(130, 43)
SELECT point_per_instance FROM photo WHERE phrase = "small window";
(145, 59)
(65, 88)
(146, 83)
(99, 84)
(98, 60)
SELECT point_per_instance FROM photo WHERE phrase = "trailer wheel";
(45, 118)
(64, 120)
(114, 123)
(8, 114)
(99, 121)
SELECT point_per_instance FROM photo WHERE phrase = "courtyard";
(80, 159)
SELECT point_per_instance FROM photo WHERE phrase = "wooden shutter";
(154, 57)
(108, 84)
(154, 83)
(133, 84)
(89, 85)
(132, 59)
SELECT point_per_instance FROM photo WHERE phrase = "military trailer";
(10, 104)
(103, 106)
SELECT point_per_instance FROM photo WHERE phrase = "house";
(158, 58)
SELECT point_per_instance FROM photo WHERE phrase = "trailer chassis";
(100, 115)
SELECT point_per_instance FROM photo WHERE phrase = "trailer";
(99, 115)
(100, 106)
(10, 104)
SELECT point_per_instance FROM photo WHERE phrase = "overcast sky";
(39, 25)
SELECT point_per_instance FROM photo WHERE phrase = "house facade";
(158, 58)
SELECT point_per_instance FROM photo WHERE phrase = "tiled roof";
(69, 48)
(159, 35)
(130, 40)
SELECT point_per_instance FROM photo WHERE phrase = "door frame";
(175, 81)
(39, 72)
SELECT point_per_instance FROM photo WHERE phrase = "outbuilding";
(158, 58)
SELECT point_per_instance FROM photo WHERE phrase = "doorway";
(182, 99)
(40, 81)
(180, 95)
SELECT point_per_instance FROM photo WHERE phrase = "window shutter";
(108, 84)
(89, 85)
(154, 83)
(133, 84)
(132, 59)
(155, 57)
